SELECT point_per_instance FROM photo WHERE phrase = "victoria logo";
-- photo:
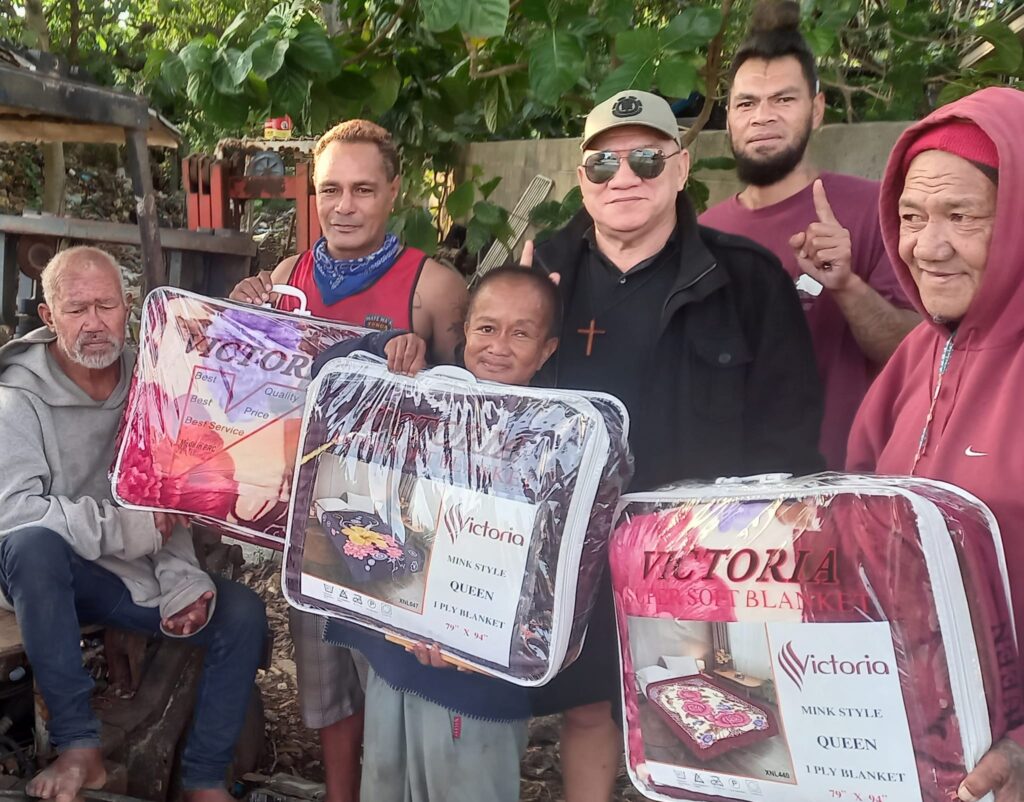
(627, 106)
(458, 523)
(797, 668)
(454, 520)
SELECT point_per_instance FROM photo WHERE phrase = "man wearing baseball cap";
(699, 333)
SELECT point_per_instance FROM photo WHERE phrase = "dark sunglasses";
(644, 162)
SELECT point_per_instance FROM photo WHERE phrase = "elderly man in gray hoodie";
(70, 556)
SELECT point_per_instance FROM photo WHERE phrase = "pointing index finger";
(526, 260)
(821, 204)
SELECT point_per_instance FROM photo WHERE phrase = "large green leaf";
(222, 72)
(820, 40)
(477, 235)
(233, 30)
(228, 111)
(1007, 50)
(556, 64)
(419, 232)
(694, 28)
(268, 57)
(676, 78)
(440, 15)
(311, 49)
(196, 56)
(352, 85)
(288, 91)
(536, 10)
(487, 188)
(239, 63)
(460, 201)
(485, 19)
(387, 83)
(632, 75)
(199, 89)
(490, 214)
(173, 71)
(548, 215)
(615, 16)
(636, 45)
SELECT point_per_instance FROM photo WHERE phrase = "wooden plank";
(61, 98)
(234, 243)
(154, 272)
(28, 129)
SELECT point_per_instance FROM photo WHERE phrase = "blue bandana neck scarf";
(338, 279)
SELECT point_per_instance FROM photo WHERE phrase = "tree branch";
(381, 35)
(712, 74)
(847, 89)
(475, 73)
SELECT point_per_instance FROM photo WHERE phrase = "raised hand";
(825, 251)
(255, 289)
(526, 260)
(407, 354)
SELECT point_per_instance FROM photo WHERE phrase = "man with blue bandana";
(357, 273)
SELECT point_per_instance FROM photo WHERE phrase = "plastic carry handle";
(759, 479)
(452, 372)
(294, 292)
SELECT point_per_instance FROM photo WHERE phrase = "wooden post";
(153, 273)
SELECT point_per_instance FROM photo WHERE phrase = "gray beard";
(93, 361)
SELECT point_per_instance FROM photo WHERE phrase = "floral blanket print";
(705, 712)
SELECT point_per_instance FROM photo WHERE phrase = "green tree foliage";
(442, 73)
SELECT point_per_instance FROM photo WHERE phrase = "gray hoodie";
(57, 445)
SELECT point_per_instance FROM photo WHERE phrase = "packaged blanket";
(799, 640)
(212, 421)
(469, 514)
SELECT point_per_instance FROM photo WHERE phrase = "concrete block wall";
(860, 149)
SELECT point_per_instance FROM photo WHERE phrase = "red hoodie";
(973, 438)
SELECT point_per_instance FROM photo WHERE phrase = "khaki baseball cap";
(631, 107)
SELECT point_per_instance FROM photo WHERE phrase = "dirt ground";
(292, 749)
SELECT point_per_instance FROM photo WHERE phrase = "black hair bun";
(775, 15)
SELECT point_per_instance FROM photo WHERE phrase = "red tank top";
(385, 304)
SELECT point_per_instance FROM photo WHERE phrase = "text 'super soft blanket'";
(212, 422)
(471, 514)
(854, 611)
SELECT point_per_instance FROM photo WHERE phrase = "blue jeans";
(54, 592)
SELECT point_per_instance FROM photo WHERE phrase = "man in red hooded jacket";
(947, 405)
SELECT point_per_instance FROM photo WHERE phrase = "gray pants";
(330, 678)
(417, 751)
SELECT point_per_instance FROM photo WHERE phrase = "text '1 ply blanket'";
(469, 514)
(829, 637)
(212, 422)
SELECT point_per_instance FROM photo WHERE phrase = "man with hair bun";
(823, 226)
(357, 273)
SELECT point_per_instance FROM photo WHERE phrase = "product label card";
(440, 561)
(781, 712)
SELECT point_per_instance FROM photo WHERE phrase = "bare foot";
(72, 771)
(209, 795)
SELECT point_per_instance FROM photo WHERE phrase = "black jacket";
(734, 389)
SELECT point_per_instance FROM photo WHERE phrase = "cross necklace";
(592, 331)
